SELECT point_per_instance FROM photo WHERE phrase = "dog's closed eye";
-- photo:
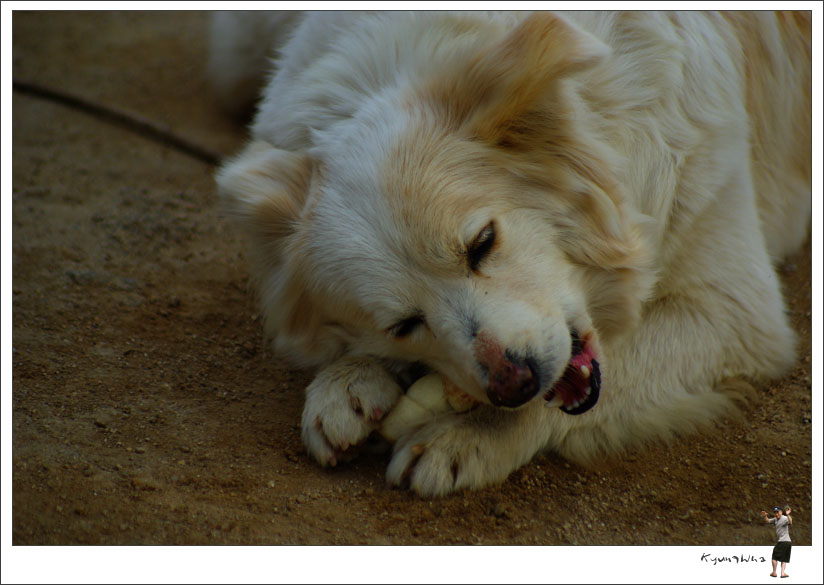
(481, 246)
(405, 327)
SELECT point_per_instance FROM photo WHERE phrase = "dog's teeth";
(585, 371)
(556, 401)
(589, 390)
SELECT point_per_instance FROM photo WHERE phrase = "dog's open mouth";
(578, 390)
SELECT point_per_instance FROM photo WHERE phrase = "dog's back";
(777, 57)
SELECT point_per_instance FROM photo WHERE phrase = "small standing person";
(783, 548)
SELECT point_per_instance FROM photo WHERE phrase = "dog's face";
(477, 234)
(435, 256)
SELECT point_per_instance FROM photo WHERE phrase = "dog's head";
(469, 221)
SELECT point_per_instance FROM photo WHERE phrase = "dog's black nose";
(513, 382)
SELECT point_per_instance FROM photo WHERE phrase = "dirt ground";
(146, 409)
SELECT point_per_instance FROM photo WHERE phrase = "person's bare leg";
(775, 566)
(783, 571)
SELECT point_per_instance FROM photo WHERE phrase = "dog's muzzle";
(512, 380)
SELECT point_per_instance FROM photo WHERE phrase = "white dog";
(563, 210)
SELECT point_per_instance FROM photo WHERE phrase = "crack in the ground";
(125, 119)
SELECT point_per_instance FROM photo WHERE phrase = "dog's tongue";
(578, 390)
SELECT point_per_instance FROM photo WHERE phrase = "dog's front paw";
(447, 455)
(344, 404)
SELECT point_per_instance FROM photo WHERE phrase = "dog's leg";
(469, 450)
(344, 403)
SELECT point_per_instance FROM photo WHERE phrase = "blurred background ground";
(145, 409)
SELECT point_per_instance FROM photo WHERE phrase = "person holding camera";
(783, 548)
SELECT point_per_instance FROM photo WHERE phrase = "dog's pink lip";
(579, 387)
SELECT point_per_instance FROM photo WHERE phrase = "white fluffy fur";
(644, 170)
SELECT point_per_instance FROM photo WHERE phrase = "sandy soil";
(146, 409)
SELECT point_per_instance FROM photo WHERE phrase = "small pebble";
(500, 511)
(142, 482)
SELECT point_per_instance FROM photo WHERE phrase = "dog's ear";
(615, 256)
(598, 230)
(507, 81)
(524, 71)
(266, 189)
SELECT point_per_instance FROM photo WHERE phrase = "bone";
(429, 397)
